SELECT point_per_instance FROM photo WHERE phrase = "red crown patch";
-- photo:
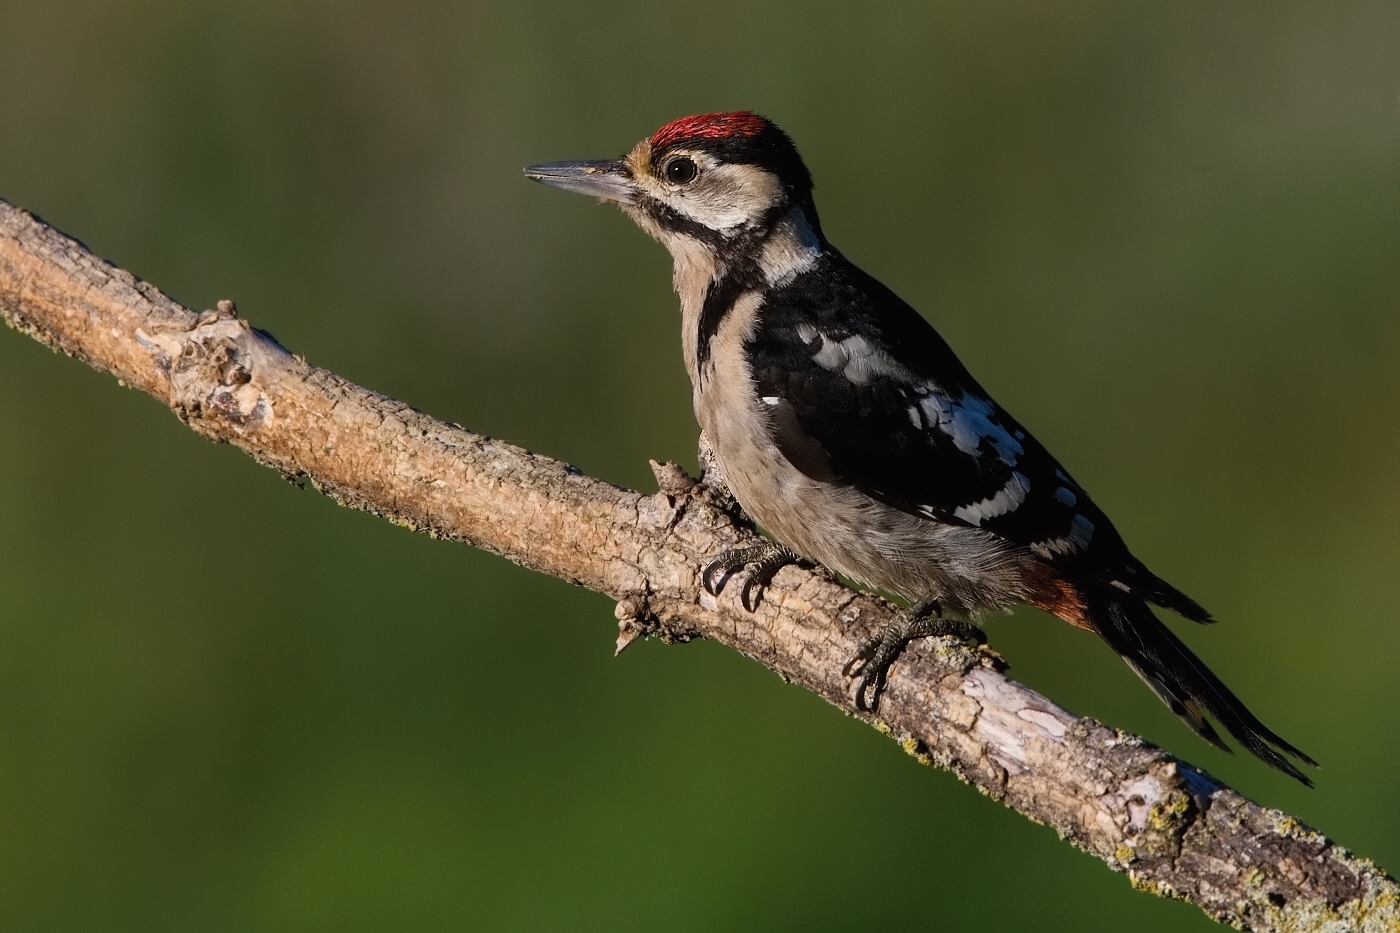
(709, 126)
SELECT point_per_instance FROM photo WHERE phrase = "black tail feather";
(1182, 680)
(1169, 597)
(1155, 590)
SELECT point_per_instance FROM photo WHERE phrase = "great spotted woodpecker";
(846, 428)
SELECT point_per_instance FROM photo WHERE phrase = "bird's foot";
(871, 663)
(761, 561)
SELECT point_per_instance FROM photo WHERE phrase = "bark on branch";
(1172, 829)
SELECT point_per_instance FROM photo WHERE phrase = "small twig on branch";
(1171, 828)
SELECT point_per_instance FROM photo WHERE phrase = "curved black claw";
(761, 561)
(752, 593)
(871, 664)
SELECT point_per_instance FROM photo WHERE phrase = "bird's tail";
(1182, 680)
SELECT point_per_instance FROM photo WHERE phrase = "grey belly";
(968, 570)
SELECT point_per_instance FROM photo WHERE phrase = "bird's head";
(719, 182)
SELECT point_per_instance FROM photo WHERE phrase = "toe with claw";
(871, 664)
(762, 562)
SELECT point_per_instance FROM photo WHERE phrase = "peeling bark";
(1174, 830)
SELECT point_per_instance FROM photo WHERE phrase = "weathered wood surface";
(1172, 829)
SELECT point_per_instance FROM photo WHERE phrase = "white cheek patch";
(724, 197)
(1007, 498)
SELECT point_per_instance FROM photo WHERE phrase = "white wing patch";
(1007, 498)
(1081, 532)
(853, 357)
(1051, 547)
(968, 421)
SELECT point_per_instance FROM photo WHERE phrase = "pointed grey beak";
(610, 179)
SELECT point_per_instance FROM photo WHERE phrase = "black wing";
(865, 391)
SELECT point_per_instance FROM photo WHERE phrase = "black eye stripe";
(680, 170)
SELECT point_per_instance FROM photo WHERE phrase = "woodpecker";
(848, 430)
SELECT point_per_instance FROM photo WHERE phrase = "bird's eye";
(680, 171)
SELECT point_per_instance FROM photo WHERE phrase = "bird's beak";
(610, 179)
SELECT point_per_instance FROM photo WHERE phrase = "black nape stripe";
(720, 297)
(738, 256)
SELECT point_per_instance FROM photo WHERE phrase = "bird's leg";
(761, 561)
(872, 662)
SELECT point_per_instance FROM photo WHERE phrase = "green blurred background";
(1164, 234)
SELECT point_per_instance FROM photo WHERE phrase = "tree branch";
(1171, 828)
